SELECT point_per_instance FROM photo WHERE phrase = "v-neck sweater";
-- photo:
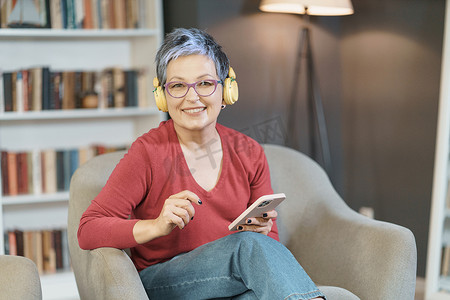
(155, 168)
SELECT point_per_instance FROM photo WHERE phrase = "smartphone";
(263, 204)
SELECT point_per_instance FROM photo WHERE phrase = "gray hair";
(183, 42)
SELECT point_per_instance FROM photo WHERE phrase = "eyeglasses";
(203, 88)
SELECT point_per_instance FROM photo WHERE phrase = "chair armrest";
(119, 277)
(19, 278)
(372, 259)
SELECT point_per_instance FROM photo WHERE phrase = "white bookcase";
(26, 131)
(438, 285)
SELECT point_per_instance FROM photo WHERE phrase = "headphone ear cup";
(160, 98)
(230, 88)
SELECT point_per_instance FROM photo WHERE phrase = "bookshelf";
(61, 129)
(437, 286)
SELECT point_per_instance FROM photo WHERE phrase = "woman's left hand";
(262, 224)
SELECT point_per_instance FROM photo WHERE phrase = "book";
(30, 171)
(46, 88)
(88, 22)
(120, 14)
(36, 89)
(26, 90)
(36, 172)
(119, 88)
(68, 82)
(56, 14)
(48, 252)
(19, 242)
(19, 104)
(14, 91)
(49, 171)
(60, 171)
(12, 243)
(22, 173)
(4, 170)
(57, 244)
(7, 91)
(13, 185)
(2, 95)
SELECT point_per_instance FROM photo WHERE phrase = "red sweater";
(153, 169)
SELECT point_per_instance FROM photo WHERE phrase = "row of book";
(40, 88)
(48, 249)
(73, 14)
(44, 171)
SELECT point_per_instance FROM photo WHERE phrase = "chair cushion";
(337, 293)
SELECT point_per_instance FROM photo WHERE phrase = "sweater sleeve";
(106, 222)
(260, 184)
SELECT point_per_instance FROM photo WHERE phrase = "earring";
(223, 106)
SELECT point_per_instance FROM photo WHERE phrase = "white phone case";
(263, 204)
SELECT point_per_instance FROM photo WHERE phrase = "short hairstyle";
(183, 42)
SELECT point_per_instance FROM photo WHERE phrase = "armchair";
(19, 278)
(348, 255)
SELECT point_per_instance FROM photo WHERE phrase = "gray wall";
(379, 75)
(391, 58)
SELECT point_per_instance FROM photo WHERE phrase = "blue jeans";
(243, 265)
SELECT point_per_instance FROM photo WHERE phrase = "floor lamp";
(316, 116)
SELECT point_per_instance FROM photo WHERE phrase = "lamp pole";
(316, 116)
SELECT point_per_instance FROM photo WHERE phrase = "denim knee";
(250, 243)
(248, 237)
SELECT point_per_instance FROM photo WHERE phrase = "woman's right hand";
(177, 211)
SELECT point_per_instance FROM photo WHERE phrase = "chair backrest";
(308, 192)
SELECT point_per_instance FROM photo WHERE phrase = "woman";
(191, 166)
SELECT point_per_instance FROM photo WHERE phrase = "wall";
(391, 58)
(379, 75)
(262, 48)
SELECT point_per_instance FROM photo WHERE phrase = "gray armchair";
(19, 279)
(348, 255)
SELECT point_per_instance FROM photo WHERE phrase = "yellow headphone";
(230, 91)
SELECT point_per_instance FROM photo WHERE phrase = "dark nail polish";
(200, 201)
(264, 215)
(249, 221)
(240, 228)
(192, 218)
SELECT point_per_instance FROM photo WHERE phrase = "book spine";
(13, 188)
(5, 173)
(36, 172)
(7, 91)
(50, 180)
(46, 88)
(2, 93)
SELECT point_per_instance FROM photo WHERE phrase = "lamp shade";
(313, 7)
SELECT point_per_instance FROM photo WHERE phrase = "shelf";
(78, 113)
(83, 33)
(61, 286)
(444, 283)
(35, 199)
